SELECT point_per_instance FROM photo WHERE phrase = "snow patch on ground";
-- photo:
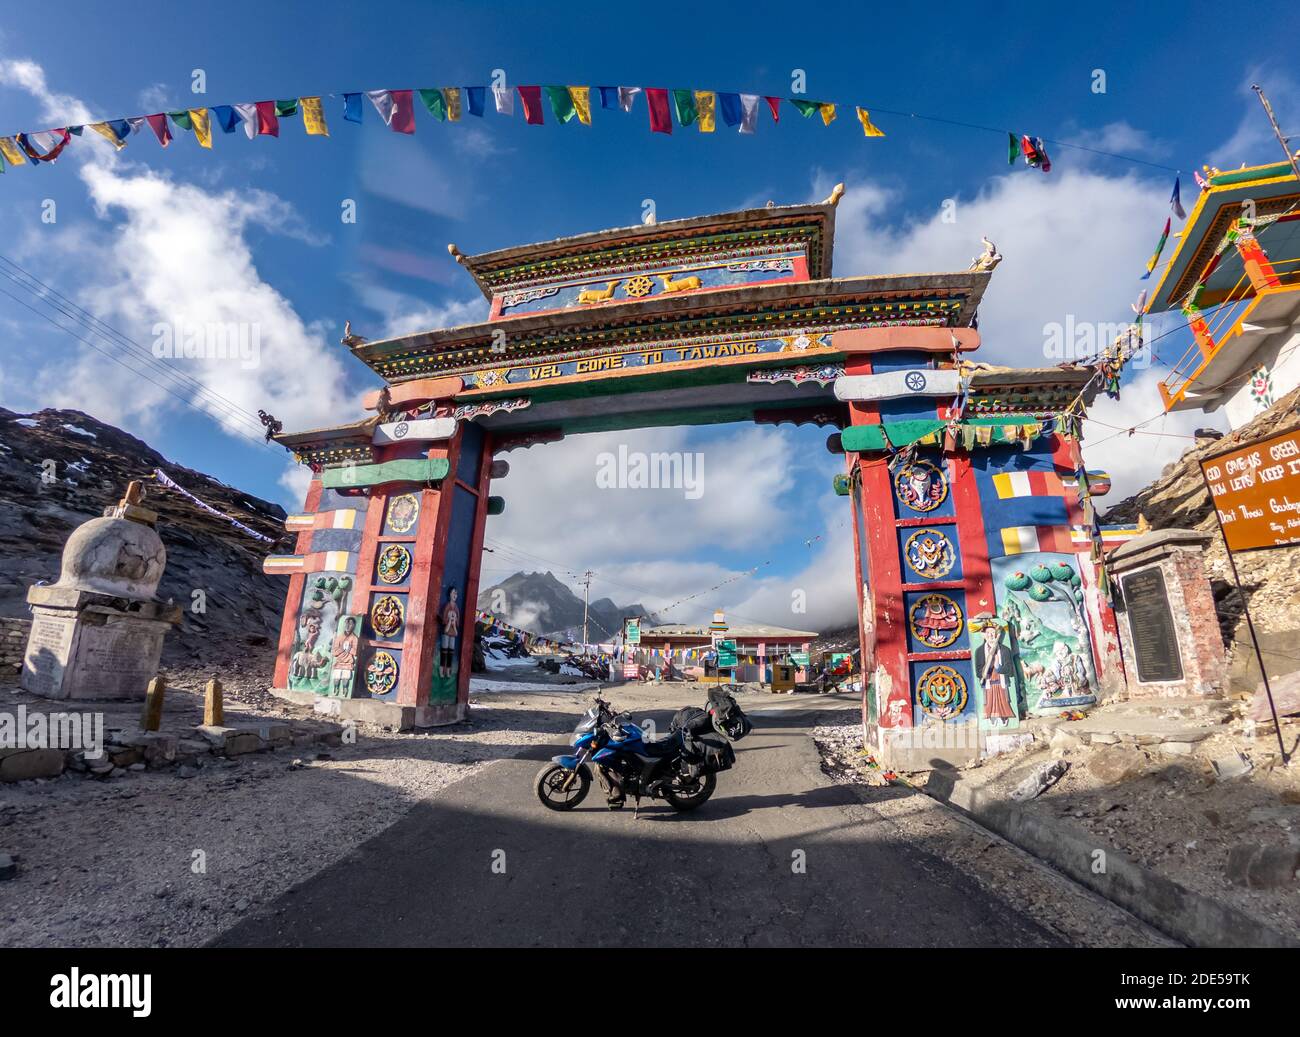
(484, 685)
(26, 422)
(81, 431)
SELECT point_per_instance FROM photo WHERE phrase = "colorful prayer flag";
(626, 95)
(313, 117)
(581, 97)
(248, 113)
(181, 119)
(158, 123)
(748, 112)
(561, 102)
(474, 100)
(435, 102)
(227, 117)
(1160, 247)
(268, 124)
(1176, 201)
(729, 107)
(403, 118)
(706, 104)
(505, 100)
(656, 99)
(827, 111)
(351, 107)
(452, 96)
(383, 102)
(531, 96)
(608, 97)
(774, 106)
(869, 128)
(201, 124)
(1013, 149)
(804, 108)
(684, 106)
(107, 132)
(286, 107)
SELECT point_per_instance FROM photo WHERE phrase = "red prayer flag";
(158, 123)
(657, 101)
(532, 98)
(267, 121)
(774, 103)
(403, 120)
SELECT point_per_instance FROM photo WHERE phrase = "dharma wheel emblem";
(941, 692)
(639, 286)
(401, 430)
(915, 381)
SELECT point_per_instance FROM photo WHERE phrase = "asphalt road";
(484, 863)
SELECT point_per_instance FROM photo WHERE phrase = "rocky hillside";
(1178, 499)
(89, 465)
(541, 603)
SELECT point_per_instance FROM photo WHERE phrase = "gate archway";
(978, 602)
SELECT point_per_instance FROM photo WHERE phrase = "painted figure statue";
(450, 632)
(345, 658)
(996, 668)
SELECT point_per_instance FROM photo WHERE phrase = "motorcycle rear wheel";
(549, 787)
(697, 797)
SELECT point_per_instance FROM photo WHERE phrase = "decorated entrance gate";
(979, 602)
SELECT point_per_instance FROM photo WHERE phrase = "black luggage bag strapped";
(707, 734)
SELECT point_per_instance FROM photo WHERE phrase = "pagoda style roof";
(945, 299)
(521, 265)
(1273, 190)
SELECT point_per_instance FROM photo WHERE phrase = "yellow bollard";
(151, 719)
(212, 712)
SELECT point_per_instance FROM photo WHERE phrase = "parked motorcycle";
(680, 768)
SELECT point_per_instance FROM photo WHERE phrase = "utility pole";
(1277, 130)
(586, 595)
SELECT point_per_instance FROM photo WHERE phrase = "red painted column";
(293, 596)
(475, 566)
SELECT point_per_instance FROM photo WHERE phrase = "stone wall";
(13, 645)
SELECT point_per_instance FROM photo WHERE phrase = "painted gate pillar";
(979, 605)
(379, 619)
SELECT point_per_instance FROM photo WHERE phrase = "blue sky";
(252, 228)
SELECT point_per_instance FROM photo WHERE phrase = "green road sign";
(726, 655)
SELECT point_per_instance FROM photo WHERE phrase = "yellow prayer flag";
(313, 116)
(105, 131)
(13, 155)
(706, 105)
(202, 126)
(869, 128)
(451, 94)
(581, 98)
(828, 113)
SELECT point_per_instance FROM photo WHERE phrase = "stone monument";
(1170, 629)
(98, 632)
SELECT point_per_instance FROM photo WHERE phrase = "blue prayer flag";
(352, 107)
(731, 111)
(474, 100)
(608, 96)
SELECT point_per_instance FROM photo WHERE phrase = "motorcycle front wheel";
(550, 786)
(684, 793)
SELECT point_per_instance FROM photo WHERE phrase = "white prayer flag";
(748, 112)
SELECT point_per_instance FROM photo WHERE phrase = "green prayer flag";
(433, 100)
(806, 108)
(561, 102)
(684, 102)
(1013, 149)
(289, 107)
(182, 119)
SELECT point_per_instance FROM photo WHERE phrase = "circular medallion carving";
(381, 674)
(394, 563)
(402, 512)
(941, 692)
(929, 553)
(935, 620)
(921, 485)
(387, 615)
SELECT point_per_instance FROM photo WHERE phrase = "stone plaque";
(49, 646)
(1151, 626)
